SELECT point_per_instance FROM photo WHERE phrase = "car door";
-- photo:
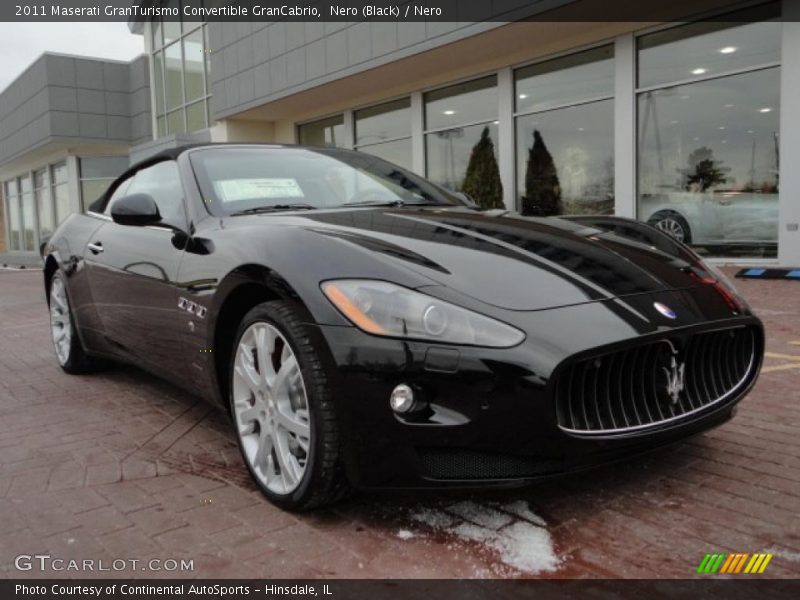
(132, 275)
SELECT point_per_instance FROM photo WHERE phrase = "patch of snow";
(524, 545)
(405, 534)
(520, 508)
(433, 518)
(481, 515)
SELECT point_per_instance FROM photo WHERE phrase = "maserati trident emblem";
(675, 378)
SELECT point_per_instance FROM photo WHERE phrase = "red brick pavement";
(121, 465)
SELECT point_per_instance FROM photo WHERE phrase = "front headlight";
(386, 309)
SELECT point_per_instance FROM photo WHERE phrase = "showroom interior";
(684, 125)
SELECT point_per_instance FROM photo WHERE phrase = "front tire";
(672, 223)
(70, 354)
(283, 411)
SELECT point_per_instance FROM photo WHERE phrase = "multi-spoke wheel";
(69, 352)
(282, 410)
(672, 223)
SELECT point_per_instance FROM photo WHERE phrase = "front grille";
(639, 387)
(450, 463)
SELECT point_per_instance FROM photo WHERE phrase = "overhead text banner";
(137, 11)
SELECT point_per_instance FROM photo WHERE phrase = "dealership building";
(689, 125)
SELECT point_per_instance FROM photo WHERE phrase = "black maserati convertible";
(368, 329)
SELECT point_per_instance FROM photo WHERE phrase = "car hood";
(506, 260)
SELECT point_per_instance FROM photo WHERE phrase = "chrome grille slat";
(629, 389)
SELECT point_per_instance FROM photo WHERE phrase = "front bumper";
(491, 417)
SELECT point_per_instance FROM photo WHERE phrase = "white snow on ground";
(516, 534)
(405, 534)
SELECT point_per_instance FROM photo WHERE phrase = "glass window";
(448, 153)
(194, 60)
(397, 152)
(326, 132)
(14, 225)
(97, 167)
(462, 103)
(196, 116)
(248, 178)
(157, 40)
(161, 126)
(158, 78)
(28, 214)
(565, 163)
(384, 122)
(92, 189)
(44, 204)
(162, 181)
(706, 48)
(575, 78)
(60, 190)
(173, 76)
(708, 162)
(171, 28)
(175, 122)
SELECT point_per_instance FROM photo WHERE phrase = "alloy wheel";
(60, 321)
(270, 407)
(672, 227)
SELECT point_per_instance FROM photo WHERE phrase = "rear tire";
(71, 356)
(283, 411)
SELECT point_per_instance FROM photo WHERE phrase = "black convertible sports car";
(366, 328)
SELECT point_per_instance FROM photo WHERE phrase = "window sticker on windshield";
(233, 190)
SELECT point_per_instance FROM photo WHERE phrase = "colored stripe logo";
(735, 563)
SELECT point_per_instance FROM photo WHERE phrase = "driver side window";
(162, 182)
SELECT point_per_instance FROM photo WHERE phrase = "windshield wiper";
(393, 203)
(273, 208)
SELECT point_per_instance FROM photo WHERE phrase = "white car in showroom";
(721, 218)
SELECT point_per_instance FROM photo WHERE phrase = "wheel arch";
(50, 268)
(238, 292)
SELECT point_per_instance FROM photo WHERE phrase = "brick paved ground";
(121, 465)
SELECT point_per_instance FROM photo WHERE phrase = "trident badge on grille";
(675, 377)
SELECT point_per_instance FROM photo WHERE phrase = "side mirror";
(135, 209)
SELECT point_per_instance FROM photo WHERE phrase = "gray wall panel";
(65, 98)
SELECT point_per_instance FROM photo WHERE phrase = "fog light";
(402, 399)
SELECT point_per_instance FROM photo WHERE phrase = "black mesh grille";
(446, 463)
(630, 389)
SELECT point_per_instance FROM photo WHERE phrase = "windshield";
(236, 179)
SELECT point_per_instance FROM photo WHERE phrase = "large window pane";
(196, 116)
(397, 152)
(173, 76)
(462, 103)
(172, 28)
(194, 59)
(565, 160)
(703, 49)
(448, 153)
(28, 213)
(582, 76)
(13, 212)
(97, 167)
(44, 205)
(384, 122)
(175, 122)
(158, 78)
(60, 190)
(156, 29)
(327, 132)
(92, 189)
(708, 162)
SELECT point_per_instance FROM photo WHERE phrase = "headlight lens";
(386, 309)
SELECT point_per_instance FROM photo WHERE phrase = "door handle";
(95, 247)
